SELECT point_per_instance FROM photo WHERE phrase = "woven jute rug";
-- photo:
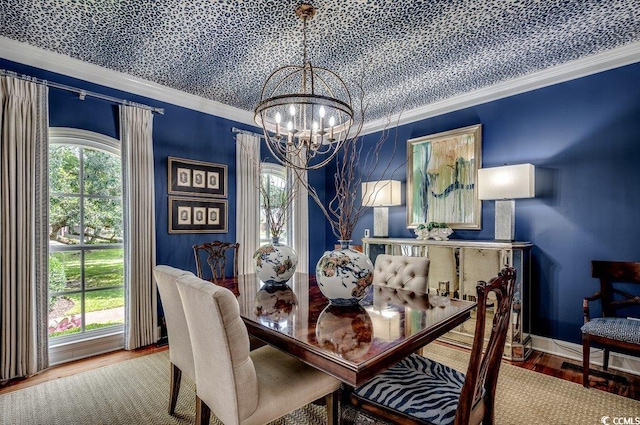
(136, 392)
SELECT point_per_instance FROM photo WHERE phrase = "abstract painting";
(442, 170)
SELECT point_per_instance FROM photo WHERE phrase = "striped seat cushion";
(419, 387)
(617, 328)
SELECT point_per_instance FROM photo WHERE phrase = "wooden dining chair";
(216, 254)
(614, 330)
(239, 386)
(420, 390)
(180, 353)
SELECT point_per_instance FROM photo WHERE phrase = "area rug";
(136, 392)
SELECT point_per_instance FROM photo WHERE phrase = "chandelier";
(305, 111)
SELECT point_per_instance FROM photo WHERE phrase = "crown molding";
(33, 56)
(49, 61)
(578, 68)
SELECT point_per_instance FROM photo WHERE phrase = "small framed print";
(184, 177)
(196, 178)
(213, 216)
(184, 215)
(213, 180)
(199, 179)
(197, 215)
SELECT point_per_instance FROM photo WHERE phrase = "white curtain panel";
(136, 136)
(300, 215)
(247, 199)
(24, 236)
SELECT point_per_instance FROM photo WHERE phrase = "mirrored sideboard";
(457, 265)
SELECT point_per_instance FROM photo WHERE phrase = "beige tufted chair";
(239, 386)
(180, 354)
(400, 272)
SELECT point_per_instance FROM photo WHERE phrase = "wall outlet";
(366, 233)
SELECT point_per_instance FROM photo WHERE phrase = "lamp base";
(505, 227)
(380, 222)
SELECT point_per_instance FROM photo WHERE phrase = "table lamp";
(504, 184)
(381, 194)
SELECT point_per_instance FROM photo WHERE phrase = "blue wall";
(180, 132)
(583, 136)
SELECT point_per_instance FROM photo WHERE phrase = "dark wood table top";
(351, 343)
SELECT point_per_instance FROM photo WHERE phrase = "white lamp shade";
(507, 182)
(382, 193)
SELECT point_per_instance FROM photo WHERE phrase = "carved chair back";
(612, 298)
(216, 255)
(482, 373)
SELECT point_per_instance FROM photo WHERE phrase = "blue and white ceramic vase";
(344, 275)
(274, 262)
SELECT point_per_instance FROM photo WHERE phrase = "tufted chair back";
(400, 272)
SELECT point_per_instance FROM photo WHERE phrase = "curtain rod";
(81, 93)
(250, 133)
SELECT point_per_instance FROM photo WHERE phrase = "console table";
(457, 265)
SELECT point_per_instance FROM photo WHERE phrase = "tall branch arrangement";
(352, 168)
(276, 203)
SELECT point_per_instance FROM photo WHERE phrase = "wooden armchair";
(614, 330)
(419, 390)
(216, 255)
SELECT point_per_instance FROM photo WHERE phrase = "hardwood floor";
(624, 384)
(79, 366)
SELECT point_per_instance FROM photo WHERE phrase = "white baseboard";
(621, 362)
(66, 352)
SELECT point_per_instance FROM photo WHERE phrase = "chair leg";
(605, 361)
(176, 377)
(203, 413)
(333, 408)
(586, 348)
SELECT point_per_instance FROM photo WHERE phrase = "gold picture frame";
(442, 171)
(197, 215)
(196, 178)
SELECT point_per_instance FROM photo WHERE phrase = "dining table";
(352, 343)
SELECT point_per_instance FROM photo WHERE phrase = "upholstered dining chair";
(420, 390)
(180, 353)
(239, 386)
(614, 330)
(216, 254)
(402, 272)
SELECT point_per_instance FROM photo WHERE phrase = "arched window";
(86, 261)
(276, 176)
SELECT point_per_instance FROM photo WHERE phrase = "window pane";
(64, 308)
(102, 221)
(64, 219)
(64, 271)
(104, 268)
(104, 308)
(101, 173)
(64, 169)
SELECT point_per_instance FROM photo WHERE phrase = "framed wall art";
(442, 170)
(197, 215)
(197, 178)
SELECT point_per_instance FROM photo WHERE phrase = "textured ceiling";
(408, 53)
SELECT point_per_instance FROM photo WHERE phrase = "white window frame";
(76, 346)
(280, 171)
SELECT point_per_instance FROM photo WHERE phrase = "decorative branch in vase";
(344, 275)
